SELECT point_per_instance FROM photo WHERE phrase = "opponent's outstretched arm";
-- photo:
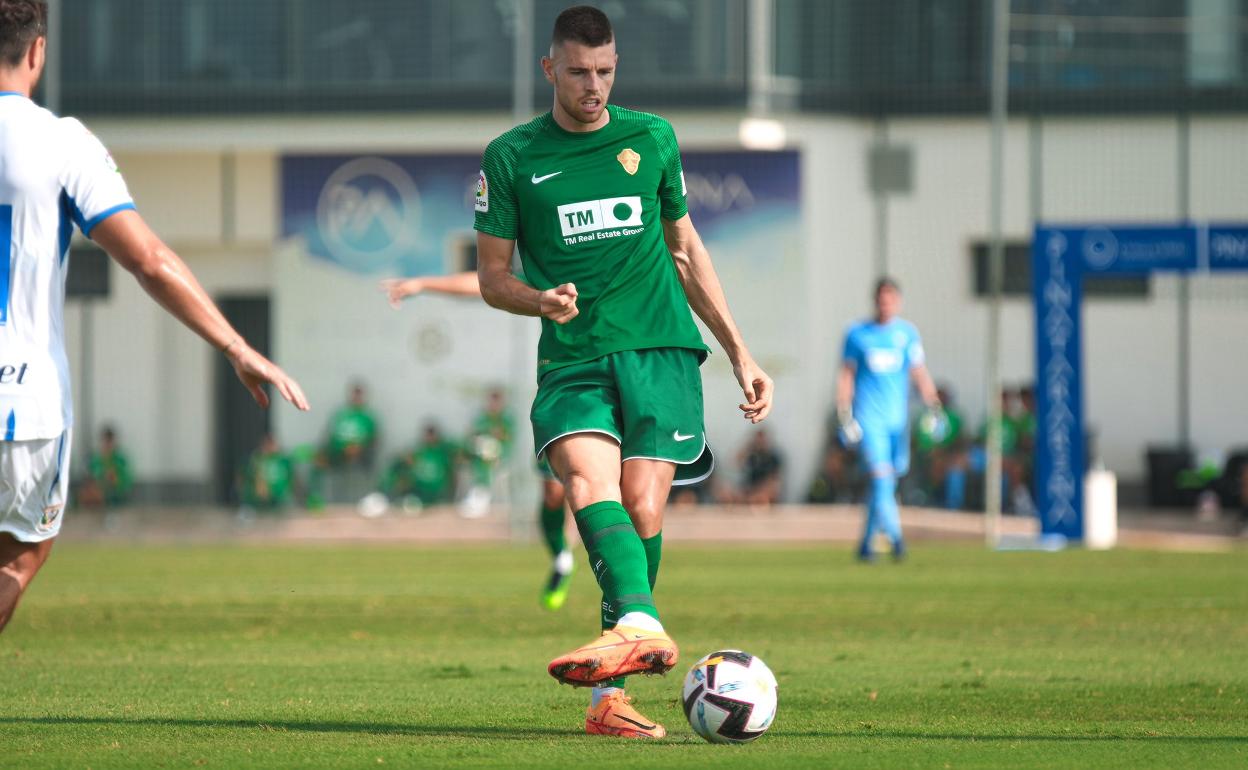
(465, 284)
(706, 297)
(164, 276)
(500, 288)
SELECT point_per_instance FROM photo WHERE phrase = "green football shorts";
(650, 401)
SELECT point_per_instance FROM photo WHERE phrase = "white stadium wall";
(434, 358)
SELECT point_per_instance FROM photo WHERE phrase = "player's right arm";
(500, 287)
(845, 388)
(164, 276)
(850, 430)
(497, 225)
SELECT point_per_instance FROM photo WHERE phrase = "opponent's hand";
(398, 289)
(559, 304)
(254, 370)
(758, 389)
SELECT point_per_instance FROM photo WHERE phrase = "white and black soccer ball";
(730, 697)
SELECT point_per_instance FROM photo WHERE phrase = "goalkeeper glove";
(849, 431)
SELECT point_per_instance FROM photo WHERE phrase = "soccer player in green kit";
(594, 198)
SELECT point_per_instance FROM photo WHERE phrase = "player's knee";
(552, 494)
(583, 490)
(646, 513)
(21, 561)
(21, 572)
(883, 485)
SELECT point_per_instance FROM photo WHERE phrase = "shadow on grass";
(529, 733)
(280, 726)
(983, 738)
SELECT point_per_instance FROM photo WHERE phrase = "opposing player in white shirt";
(54, 175)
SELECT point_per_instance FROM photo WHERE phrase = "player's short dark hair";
(582, 24)
(886, 282)
(21, 23)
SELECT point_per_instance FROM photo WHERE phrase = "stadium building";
(297, 152)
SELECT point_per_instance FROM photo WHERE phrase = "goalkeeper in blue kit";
(882, 356)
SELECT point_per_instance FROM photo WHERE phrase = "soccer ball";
(730, 697)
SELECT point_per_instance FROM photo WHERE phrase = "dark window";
(1017, 276)
(89, 272)
(246, 56)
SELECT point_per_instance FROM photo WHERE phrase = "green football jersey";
(585, 208)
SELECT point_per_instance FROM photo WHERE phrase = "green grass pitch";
(432, 657)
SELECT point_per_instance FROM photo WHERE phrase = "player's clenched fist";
(559, 304)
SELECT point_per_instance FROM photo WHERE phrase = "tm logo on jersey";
(595, 220)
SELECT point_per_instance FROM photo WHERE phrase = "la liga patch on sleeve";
(483, 194)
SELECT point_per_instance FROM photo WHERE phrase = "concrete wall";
(154, 381)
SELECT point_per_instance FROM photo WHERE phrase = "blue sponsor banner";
(372, 214)
(1057, 290)
(1228, 247)
(1134, 249)
(1060, 259)
(413, 214)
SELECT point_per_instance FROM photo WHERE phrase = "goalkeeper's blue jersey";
(882, 356)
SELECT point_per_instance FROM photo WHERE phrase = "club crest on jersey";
(630, 160)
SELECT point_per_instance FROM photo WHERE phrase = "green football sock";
(552, 529)
(617, 557)
(654, 554)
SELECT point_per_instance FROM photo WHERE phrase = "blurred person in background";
(553, 514)
(1025, 421)
(267, 479)
(110, 480)
(488, 447)
(54, 174)
(882, 357)
(426, 472)
(762, 470)
(938, 442)
(352, 434)
(1015, 495)
(836, 480)
(350, 445)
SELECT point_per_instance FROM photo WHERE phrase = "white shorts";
(34, 486)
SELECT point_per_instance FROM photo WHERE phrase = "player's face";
(582, 77)
(887, 303)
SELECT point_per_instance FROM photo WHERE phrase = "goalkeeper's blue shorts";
(884, 451)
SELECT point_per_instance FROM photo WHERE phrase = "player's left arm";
(465, 284)
(706, 297)
(923, 381)
(919, 374)
(167, 279)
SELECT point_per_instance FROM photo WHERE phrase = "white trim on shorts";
(541, 453)
(683, 482)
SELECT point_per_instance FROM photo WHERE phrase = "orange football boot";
(615, 715)
(620, 651)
